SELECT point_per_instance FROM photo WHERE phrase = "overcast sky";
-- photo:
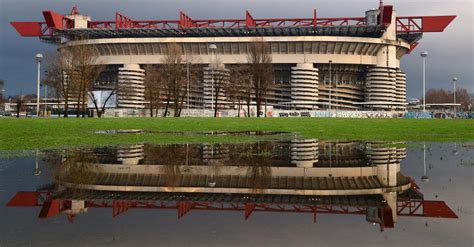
(450, 53)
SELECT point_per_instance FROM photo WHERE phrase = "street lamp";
(39, 56)
(213, 49)
(424, 54)
(187, 73)
(424, 178)
(37, 171)
(455, 79)
(330, 86)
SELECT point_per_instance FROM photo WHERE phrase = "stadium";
(319, 64)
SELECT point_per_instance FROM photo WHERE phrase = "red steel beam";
(249, 20)
(53, 20)
(30, 29)
(409, 24)
(185, 21)
(423, 24)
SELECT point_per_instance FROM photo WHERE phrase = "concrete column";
(304, 86)
(391, 199)
(381, 80)
(131, 154)
(304, 152)
(131, 87)
(401, 89)
(381, 88)
(386, 159)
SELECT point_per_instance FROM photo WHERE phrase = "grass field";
(26, 134)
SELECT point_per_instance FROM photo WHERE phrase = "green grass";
(27, 134)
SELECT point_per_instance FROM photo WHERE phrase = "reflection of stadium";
(354, 178)
(351, 63)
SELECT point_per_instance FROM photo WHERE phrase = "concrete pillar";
(131, 154)
(381, 80)
(304, 152)
(304, 86)
(381, 87)
(401, 89)
(386, 159)
(131, 87)
(391, 199)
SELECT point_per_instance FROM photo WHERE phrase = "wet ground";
(151, 195)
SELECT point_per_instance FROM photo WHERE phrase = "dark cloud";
(451, 52)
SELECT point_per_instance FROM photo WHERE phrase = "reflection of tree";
(175, 154)
(259, 153)
(259, 178)
(172, 157)
(259, 170)
(172, 175)
(75, 167)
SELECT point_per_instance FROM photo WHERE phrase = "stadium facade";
(349, 63)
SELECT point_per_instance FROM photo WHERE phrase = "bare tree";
(175, 72)
(174, 76)
(220, 80)
(153, 86)
(73, 73)
(85, 73)
(58, 67)
(19, 104)
(441, 96)
(100, 104)
(239, 88)
(260, 60)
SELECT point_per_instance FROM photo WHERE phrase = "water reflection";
(298, 175)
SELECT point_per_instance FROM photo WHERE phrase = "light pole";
(424, 178)
(424, 54)
(187, 73)
(39, 56)
(455, 79)
(213, 48)
(330, 86)
(37, 171)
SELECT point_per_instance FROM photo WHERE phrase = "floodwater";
(285, 192)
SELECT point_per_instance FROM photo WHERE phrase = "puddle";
(381, 183)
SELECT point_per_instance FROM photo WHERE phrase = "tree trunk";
(238, 109)
(84, 104)
(78, 104)
(248, 108)
(66, 107)
(166, 108)
(216, 103)
(151, 105)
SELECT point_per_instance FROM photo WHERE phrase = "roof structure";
(409, 28)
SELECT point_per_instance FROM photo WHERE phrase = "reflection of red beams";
(52, 206)
(422, 208)
(24, 199)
